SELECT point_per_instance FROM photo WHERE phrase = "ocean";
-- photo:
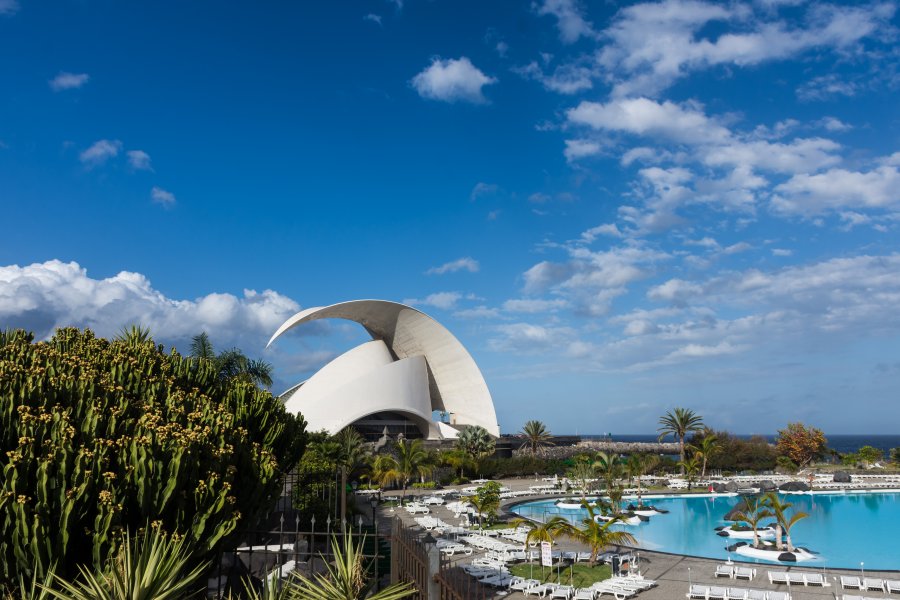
(843, 443)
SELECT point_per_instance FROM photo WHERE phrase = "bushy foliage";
(801, 444)
(99, 437)
(736, 454)
(522, 466)
(895, 456)
(869, 455)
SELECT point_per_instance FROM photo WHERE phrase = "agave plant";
(346, 578)
(153, 566)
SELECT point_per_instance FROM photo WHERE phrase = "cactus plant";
(98, 437)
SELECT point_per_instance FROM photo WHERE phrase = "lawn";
(579, 575)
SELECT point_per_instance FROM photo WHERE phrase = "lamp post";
(690, 583)
(862, 570)
(373, 502)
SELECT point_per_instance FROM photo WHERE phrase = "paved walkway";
(674, 573)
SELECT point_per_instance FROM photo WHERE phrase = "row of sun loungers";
(735, 572)
(485, 543)
(870, 584)
(713, 592)
(618, 587)
(796, 578)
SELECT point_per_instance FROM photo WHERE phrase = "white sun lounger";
(539, 590)
(563, 591)
(815, 579)
(517, 584)
(873, 584)
(796, 578)
(778, 577)
(716, 593)
(724, 571)
(698, 591)
(616, 592)
(778, 596)
(737, 594)
(892, 585)
(744, 573)
(584, 594)
(850, 582)
(756, 595)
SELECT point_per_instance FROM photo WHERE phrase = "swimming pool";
(845, 528)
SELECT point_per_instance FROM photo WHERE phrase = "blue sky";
(618, 207)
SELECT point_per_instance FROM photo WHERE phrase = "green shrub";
(99, 437)
(428, 485)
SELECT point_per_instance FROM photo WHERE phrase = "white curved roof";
(455, 382)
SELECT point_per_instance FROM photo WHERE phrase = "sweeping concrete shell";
(413, 366)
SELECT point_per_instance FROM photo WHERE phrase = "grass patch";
(579, 574)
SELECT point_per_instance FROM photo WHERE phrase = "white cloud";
(482, 189)
(533, 305)
(825, 87)
(565, 79)
(674, 290)
(834, 124)
(528, 338)
(460, 264)
(161, 196)
(100, 152)
(805, 194)
(569, 17)
(642, 116)
(441, 300)
(539, 198)
(139, 160)
(479, 312)
(782, 252)
(452, 80)
(653, 44)
(576, 149)
(607, 229)
(43, 296)
(737, 248)
(373, 18)
(67, 81)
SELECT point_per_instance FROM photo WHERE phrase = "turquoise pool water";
(845, 529)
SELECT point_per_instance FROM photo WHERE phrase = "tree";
(583, 472)
(639, 465)
(347, 451)
(801, 444)
(690, 467)
(101, 437)
(706, 448)
(410, 460)
(486, 501)
(597, 534)
(457, 459)
(788, 524)
(539, 532)
(475, 441)
(231, 364)
(786, 465)
(778, 510)
(895, 456)
(869, 455)
(679, 423)
(536, 436)
(755, 511)
(610, 470)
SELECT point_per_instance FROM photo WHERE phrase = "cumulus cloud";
(651, 45)
(67, 81)
(373, 18)
(161, 196)
(139, 160)
(44, 296)
(569, 19)
(466, 263)
(576, 149)
(805, 194)
(564, 79)
(441, 300)
(99, 152)
(452, 80)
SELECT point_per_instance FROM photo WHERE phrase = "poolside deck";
(675, 573)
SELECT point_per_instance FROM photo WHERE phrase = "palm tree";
(690, 467)
(536, 436)
(379, 469)
(639, 465)
(231, 364)
(410, 460)
(597, 535)
(755, 512)
(679, 423)
(475, 441)
(706, 448)
(542, 532)
(457, 459)
(350, 454)
(788, 524)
